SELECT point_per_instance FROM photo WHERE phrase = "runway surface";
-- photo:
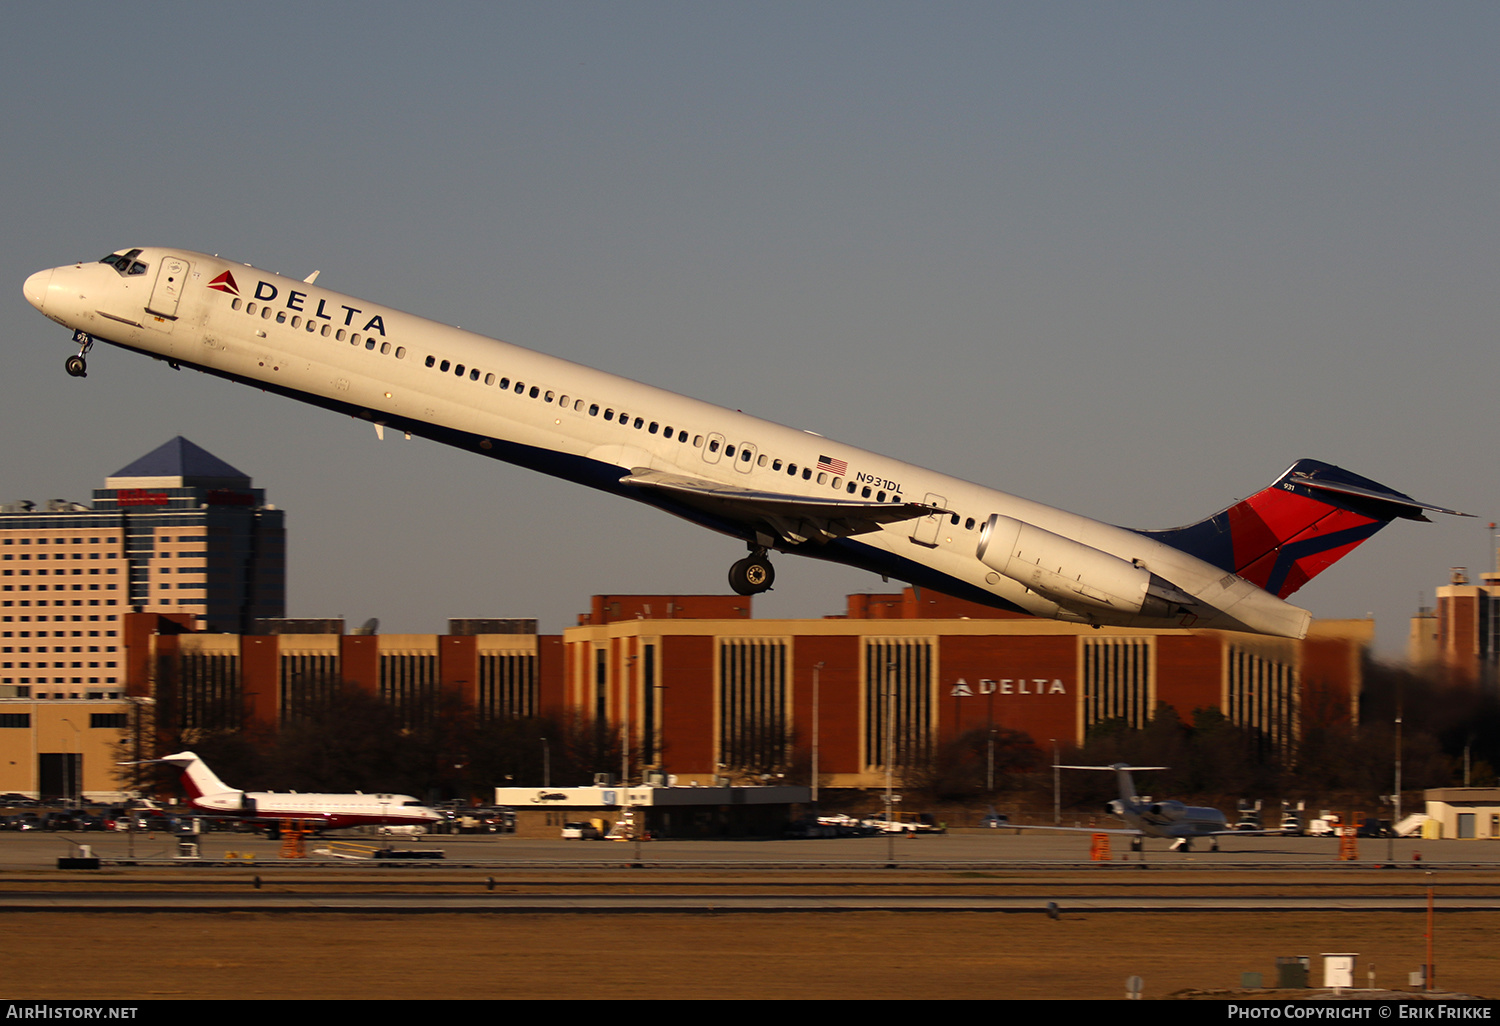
(993, 871)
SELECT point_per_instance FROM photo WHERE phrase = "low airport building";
(1467, 813)
(654, 810)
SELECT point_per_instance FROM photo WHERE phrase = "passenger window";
(385, 347)
(639, 423)
(652, 428)
(431, 360)
(400, 351)
(535, 391)
(729, 451)
(444, 366)
(562, 400)
(458, 370)
(250, 309)
(280, 316)
(489, 379)
(713, 446)
(593, 409)
(327, 330)
(236, 303)
(296, 321)
(969, 524)
(339, 334)
(265, 313)
(474, 374)
(697, 441)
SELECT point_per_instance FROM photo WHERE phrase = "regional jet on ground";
(334, 811)
(772, 487)
(1146, 818)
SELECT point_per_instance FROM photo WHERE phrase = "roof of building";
(180, 458)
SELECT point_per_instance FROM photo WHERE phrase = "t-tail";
(1289, 532)
(1126, 783)
(197, 779)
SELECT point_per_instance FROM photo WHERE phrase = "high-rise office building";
(178, 530)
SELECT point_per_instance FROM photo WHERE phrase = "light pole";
(890, 758)
(989, 767)
(1056, 787)
(625, 723)
(817, 669)
(1396, 797)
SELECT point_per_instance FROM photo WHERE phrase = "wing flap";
(794, 518)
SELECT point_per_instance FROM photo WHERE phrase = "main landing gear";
(753, 574)
(77, 366)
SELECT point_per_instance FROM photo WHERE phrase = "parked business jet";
(1144, 818)
(334, 811)
(770, 486)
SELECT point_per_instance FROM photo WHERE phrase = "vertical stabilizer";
(197, 779)
(1296, 527)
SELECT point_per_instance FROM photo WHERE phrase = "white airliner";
(334, 811)
(1146, 818)
(773, 487)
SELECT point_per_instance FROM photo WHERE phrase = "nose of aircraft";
(35, 289)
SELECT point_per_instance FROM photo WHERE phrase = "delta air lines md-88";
(773, 487)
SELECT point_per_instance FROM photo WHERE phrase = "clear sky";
(1129, 259)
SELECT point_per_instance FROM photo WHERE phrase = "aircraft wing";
(794, 518)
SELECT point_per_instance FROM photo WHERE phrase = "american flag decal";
(833, 466)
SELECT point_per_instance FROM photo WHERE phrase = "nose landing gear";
(753, 574)
(77, 366)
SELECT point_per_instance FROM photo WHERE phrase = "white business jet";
(772, 487)
(208, 793)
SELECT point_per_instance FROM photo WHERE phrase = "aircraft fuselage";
(773, 487)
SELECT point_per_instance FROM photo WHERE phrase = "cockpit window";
(126, 263)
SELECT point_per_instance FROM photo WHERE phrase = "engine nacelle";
(1168, 810)
(1075, 576)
